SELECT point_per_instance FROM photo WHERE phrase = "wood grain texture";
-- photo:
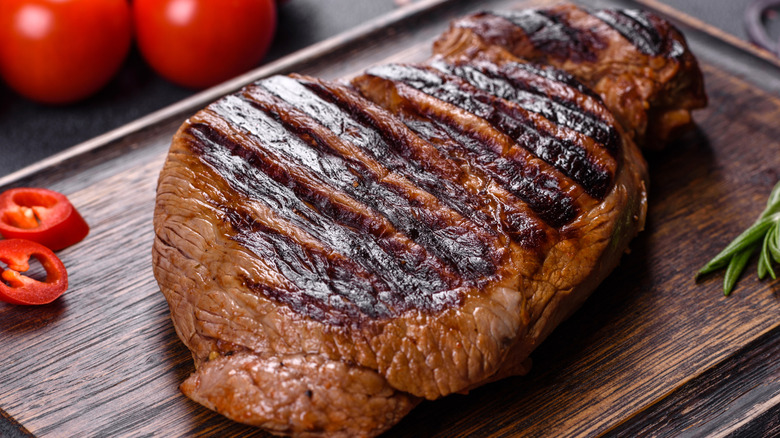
(650, 350)
(745, 386)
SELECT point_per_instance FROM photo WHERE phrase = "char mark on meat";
(521, 114)
(538, 89)
(529, 77)
(511, 119)
(400, 150)
(377, 145)
(551, 33)
(503, 145)
(638, 63)
(297, 162)
(636, 26)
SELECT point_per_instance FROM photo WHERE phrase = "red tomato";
(199, 43)
(60, 51)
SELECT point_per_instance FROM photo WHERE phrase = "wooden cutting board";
(651, 352)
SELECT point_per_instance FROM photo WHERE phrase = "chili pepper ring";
(16, 288)
(41, 215)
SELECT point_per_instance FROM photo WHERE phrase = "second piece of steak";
(637, 62)
(333, 253)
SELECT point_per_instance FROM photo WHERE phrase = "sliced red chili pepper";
(41, 215)
(16, 288)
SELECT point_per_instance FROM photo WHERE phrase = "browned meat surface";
(334, 253)
(637, 62)
(305, 394)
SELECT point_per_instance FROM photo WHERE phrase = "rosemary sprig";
(763, 235)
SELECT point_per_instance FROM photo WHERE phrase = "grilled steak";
(637, 62)
(334, 253)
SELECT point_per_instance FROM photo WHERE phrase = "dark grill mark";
(636, 27)
(393, 154)
(240, 169)
(508, 82)
(550, 34)
(361, 276)
(513, 217)
(541, 191)
(470, 250)
(514, 169)
(347, 289)
(569, 158)
(553, 74)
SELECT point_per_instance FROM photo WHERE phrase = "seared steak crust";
(576, 157)
(295, 392)
(332, 253)
(637, 62)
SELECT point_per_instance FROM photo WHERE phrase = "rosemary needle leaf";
(762, 267)
(763, 235)
(773, 203)
(744, 240)
(735, 269)
(770, 270)
(773, 237)
(764, 261)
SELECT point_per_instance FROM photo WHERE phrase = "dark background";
(30, 132)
